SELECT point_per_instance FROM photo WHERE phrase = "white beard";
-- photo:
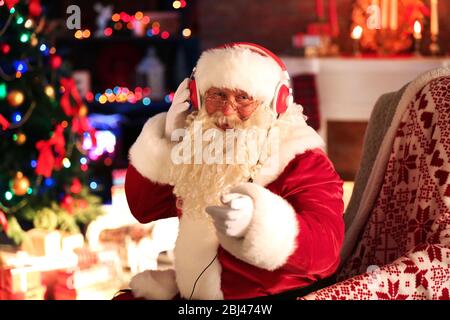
(201, 185)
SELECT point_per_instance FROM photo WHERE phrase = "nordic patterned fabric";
(404, 249)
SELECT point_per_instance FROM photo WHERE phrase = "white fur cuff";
(154, 285)
(271, 237)
(150, 154)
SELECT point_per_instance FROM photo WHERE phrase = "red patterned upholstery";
(403, 251)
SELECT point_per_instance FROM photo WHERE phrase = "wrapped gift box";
(15, 280)
(97, 271)
(37, 293)
(103, 291)
(81, 278)
(86, 257)
(71, 242)
(43, 243)
(83, 283)
(29, 277)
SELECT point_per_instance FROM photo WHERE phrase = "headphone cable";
(198, 278)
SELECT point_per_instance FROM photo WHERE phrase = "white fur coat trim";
(271, 237)
(195, 252)
(154, 285)
(151, 152)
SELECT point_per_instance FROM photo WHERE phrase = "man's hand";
(234, 217)
(176, 116)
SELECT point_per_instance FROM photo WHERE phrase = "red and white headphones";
(283, 91)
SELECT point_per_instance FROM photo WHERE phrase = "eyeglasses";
(220, 98)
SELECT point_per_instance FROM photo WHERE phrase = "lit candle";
(333, 18)
(356, 36)
(394, 15)
(357, 33)
(417, 36)
(320, 9)
(417, 30)
(384, 13)
(434, 18)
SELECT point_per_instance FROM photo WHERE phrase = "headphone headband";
(256, 48)
(283, 92)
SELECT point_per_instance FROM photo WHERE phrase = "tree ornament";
(3, 222)
(20, 184)
(76, 186)
(11, 3)
(4, 124)
(49, 91)
(34, 40)
(35, 8)
(15, 98)
(67, 203)
(20, 138)
(3, 91)
(5, 48)
(55, 61)
(83, 111)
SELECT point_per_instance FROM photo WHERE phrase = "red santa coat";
(294, 238)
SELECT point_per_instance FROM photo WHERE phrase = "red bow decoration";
(70, 91)
(59, 143)
(3, 221)
(81, 125)
(47, 161)
(4, 123)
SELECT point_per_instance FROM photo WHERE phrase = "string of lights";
(126, 95)
(23, 119)
(141, 23)
(8, 22)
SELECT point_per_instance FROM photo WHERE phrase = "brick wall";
(271, 23)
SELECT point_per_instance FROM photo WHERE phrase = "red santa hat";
(246, 67)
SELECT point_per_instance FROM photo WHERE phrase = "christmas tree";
(43, 128)
(388, 24)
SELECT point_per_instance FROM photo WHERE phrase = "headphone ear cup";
(281, 98)
(194, 94)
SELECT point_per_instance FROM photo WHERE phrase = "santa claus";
(262, 220)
